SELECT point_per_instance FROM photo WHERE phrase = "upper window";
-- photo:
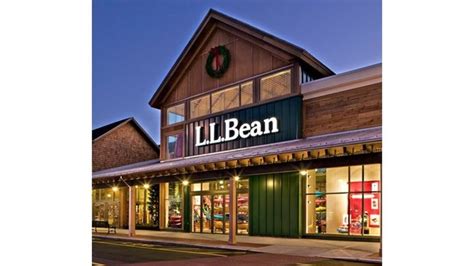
(275, 85)
(246, 93)
(200, 106)
(174, 146)
(225, 99)
(175, 114)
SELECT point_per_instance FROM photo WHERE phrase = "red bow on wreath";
(216, 52)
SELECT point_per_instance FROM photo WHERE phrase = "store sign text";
(233, 130)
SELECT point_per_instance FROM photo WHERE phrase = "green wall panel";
(274, 205)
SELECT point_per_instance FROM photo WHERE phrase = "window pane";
(220, 221)
(174, 205)
(372, 208)
(225, 99)
(336, 179)
(200, 106)
(336, 214)
(275, 85)
(243, 184)
(246, 93)
(174, 146)
(355, 214)
(196, 205)
(356, 178)
(196, 187)
(175, 114)
(243, 213)
(372, 177)
(316, 214)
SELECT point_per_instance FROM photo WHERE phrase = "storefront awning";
(336, 144)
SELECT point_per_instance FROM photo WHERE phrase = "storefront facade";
(258, 138)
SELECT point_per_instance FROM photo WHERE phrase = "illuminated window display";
(106, 203)
(174, 205)
(142, 214)
(344, 200)
(210, 207)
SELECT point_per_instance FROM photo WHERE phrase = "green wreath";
(221, 68)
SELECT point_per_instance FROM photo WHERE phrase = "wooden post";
(232, 211)
(131, 211)
(163, 208)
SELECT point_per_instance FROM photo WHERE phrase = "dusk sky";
(135, 43)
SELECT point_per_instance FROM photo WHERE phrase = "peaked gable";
(252, 51)
(103, 131)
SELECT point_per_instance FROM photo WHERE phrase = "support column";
(163, 208)
(131, 211)
(123, 207)
(232, 211)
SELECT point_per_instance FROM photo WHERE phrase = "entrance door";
(218, 214)
(196, 223)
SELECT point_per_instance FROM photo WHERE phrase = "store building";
(121, 143)
(258, 137)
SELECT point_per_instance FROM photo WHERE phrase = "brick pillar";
(131, 211)
(232, 211)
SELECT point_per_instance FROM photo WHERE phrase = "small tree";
(153, 203)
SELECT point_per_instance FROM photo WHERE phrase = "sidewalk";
(347, 250)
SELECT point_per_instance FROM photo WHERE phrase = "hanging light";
(185, 182)
(303, 172)
(114, 189)
(236, 178)
(146, 186)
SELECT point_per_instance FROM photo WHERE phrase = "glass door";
(227, 213)
(206, 214)
(196, 204)
(218, 214)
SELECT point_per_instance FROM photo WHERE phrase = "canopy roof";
(336, 144)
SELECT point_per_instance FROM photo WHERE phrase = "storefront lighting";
(221, 182)
(146, 186)
(185, 182)
(303, 172)
(114, 189)
(136, 186)
(236, 178)
(108, 195)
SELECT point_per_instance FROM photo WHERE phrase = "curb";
(178, 243)
(226, 247)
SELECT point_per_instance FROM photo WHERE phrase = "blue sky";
(135, 43)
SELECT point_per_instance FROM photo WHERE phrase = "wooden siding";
(124, 145)
(248, 58)
(348, 110)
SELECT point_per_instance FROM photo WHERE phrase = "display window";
(210, 205)
(106, 205)
(174, 205)
(344, 200)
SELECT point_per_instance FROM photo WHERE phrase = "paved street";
(116, 252)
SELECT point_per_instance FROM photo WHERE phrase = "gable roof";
(214, 16)
(100, 132)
